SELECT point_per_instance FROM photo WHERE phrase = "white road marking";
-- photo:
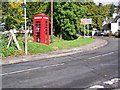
(101, 55)
(97, 86)
(31, 69)
(109, 82)
(95, 57)
(108, 54)
(115, 80)
(112, 81)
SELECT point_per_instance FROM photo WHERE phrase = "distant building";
(113, 24)
(107, 24)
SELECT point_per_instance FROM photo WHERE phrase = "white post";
(10, 40)
(88, 30)
(84, 30)
(25, 28)
(15, 40)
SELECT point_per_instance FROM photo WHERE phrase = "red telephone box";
(41, 28)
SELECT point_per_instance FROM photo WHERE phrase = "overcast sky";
(106, 1)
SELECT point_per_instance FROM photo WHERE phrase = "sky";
(107, 1)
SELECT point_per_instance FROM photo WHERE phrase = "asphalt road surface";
(81, 70)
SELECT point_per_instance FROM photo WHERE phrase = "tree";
(0, 11)
(67, 17)
(34, 8)
(102, 12)
(112, 9)
(13, 14)
(118, 8)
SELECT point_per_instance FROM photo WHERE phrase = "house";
(112, 25)
(115, 25)
(119, 24)
(107, 24)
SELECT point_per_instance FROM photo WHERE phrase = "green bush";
(9, 51)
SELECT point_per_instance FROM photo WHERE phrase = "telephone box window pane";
(38, 31)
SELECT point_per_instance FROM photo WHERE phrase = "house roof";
(113, 20)
(107, 21)
(110, 20)
(116, 18)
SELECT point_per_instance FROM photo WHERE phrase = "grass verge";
(34, 47)
(62, 44)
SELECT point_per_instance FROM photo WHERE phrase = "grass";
(34, 47)
(38, 48)
(62, 44)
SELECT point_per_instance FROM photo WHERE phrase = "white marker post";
(84, 30)
(26, 37)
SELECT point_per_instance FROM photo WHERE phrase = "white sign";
(37, 17)
(45, 17)
(86, 21)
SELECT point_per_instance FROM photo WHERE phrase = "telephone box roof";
(40, 15)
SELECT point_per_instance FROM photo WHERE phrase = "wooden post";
(15, 40)
(51, 21)
(10, 40)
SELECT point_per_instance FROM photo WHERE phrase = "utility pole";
(51, 21)
(26, 37)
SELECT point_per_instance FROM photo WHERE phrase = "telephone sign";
(37, 17)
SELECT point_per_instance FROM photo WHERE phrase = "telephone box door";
(46, 30)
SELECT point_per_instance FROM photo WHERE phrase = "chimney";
(114, 15)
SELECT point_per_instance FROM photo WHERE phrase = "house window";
(119, 23)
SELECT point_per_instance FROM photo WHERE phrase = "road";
(81, 70)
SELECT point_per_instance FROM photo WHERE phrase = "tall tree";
(13, 14)
(0, 11)
(112, 10)
(118, 8)
(34, 8)
(67, 17)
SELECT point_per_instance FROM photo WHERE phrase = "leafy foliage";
(67, 18)
(67, 15)
(36, 8)
(118, 7)
(13, 14)
(12, 50)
